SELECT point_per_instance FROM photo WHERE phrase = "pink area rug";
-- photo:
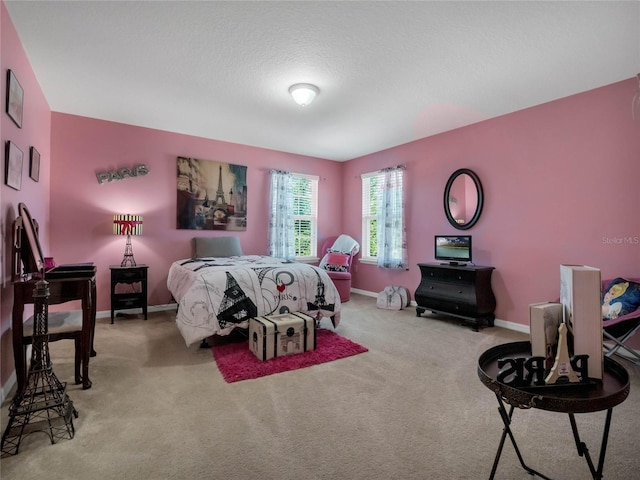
(236, 362)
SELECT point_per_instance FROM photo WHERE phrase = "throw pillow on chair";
(337, 262)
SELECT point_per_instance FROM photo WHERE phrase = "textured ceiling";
(388, 72)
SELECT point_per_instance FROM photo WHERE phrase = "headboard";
(216, 247)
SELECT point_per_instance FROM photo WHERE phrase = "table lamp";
(127, 225)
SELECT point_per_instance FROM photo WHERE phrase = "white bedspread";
(216, 295)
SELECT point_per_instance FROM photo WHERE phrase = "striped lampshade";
(127, 224)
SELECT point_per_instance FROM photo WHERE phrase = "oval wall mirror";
(463, 199)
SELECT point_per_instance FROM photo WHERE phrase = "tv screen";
(454, 249)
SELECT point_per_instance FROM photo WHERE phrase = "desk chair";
(618, 331)
(62, 326)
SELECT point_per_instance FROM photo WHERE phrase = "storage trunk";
(272, 336)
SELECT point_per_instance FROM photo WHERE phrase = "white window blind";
(370, 200)
(305, 215)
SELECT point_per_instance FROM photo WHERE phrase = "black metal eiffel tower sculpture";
(43, 404)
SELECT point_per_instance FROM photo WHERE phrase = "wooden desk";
(62, 290)
(604, 395)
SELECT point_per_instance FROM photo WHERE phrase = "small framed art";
(13, 166)
(15, 98)
(34, 164)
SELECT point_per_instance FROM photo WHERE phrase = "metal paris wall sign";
(122, 173)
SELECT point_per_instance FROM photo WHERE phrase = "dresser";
(459, 291)
(135, 296)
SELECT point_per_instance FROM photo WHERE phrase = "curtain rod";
(397, 167)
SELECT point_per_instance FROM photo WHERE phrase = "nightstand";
(134, 296)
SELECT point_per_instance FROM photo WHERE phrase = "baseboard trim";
(135, 311)
(172, 306)
(364, 292)
(6, 388)
(498, 323)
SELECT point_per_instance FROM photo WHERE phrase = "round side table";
(611, 391)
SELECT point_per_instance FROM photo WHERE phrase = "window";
(305, 215)
(383, 225)
(293, 216)
(370, 197)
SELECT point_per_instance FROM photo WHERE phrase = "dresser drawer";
(448, 275)
(453, 307)
(451, 291)
(131, 300)
(129, 275)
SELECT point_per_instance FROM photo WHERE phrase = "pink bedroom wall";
(560, 183)
(82, 209)
(35, 131)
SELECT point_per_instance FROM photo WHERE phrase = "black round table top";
(598, 396)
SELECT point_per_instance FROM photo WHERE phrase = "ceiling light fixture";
(303, 93)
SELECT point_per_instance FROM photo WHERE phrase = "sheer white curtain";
(392, 237)
(281, 223)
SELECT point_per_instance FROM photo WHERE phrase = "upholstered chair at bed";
(338, 253)
(621, 316)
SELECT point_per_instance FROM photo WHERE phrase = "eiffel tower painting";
(235, 306)
(197, 209)
(43, 404)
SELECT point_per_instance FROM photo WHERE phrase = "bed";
(217, 294)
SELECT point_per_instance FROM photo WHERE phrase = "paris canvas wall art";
(211, 195)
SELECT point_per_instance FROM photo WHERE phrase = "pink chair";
(342, 280)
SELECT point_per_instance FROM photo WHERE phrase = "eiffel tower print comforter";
(216, 295)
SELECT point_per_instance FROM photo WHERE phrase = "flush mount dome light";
(303, 93)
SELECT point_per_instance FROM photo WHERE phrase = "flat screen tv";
(454, 249)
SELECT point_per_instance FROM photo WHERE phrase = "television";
(454, 249)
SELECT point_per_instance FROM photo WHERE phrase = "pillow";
(216, 247)
(620, 298)
(336, 262)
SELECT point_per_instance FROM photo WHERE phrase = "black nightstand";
(136, 297)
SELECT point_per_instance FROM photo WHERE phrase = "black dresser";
(133, 297)
(460, 291)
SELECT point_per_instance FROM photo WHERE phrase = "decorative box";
(272, 336)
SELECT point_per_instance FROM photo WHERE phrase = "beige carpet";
(410, 408)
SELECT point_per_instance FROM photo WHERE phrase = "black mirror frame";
(447, 192)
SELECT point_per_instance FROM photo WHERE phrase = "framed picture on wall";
(225, 209)
(13, 166)
(15, 98)
(34, 164)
